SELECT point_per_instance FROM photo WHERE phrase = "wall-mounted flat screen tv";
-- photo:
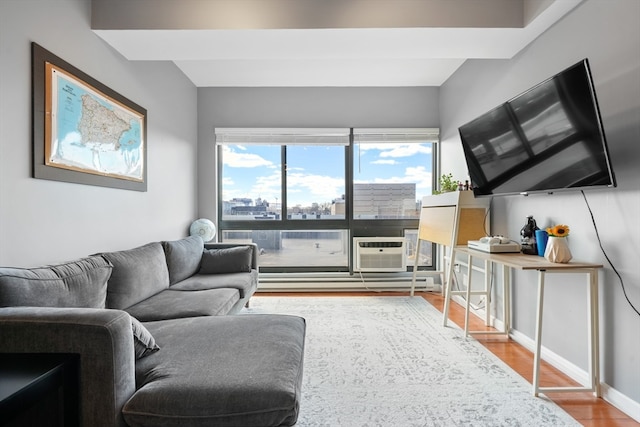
(547, 139)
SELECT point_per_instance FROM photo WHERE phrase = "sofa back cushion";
(137, 274)
(80, 283)
(183, 257)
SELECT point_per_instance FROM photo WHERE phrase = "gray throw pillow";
(81, 283)
(228, 260)
(183, 257)
(143, 342)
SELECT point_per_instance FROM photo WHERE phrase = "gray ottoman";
(220, 371)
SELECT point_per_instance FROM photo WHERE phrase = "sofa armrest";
(102, 338)
(220, 245)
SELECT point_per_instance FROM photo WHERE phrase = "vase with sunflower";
(557, 249)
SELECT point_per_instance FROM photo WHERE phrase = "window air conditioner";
(379, 254)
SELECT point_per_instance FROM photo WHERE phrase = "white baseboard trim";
(346, 283)
(609, 394)
(560, 363)
(621, 401)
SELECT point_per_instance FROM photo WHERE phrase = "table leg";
(594, 333)
(468, 296)
(538, 343)
(488, 274)
(415, 267)
(447, 294)
(506, 301)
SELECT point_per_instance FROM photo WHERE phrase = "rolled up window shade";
(282, 136)
(375, 135)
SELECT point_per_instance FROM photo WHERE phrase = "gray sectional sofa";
(157, 342)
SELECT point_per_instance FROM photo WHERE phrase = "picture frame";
(83, 131)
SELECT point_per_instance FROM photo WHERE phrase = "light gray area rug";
(388, 361)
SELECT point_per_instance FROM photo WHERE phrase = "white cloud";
(314, 188)
(384, 162)
(397, 149)
(267, 187)
(417, 175)
(406, 150)
(302, 189)
(234, 159)
(420, 176)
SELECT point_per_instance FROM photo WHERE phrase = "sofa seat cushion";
(245, 283)
(81, 283)
(221, 371)
(172, 304)
(137, 274)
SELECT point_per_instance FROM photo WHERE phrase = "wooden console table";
(544, 267)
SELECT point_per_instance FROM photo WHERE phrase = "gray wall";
(303, 107)
(44, 222)
(607, 32)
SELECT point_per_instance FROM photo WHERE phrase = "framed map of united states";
(85, 132)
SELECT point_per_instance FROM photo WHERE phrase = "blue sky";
(316, 173)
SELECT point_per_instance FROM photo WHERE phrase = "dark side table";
(39, 390)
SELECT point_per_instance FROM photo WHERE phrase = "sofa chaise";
(157, 340)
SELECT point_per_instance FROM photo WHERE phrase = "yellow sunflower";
(558, 230)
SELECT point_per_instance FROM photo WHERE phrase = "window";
(392, 171)
(253, 185)
(251, 182)
(315, 181)
(313, 249)
(302, 194)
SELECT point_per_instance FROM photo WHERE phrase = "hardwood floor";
(583, 406)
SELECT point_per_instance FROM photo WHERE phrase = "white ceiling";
(327, 57)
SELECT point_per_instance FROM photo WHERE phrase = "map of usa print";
(91, 132)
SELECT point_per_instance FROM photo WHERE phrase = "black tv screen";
(546, 139)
